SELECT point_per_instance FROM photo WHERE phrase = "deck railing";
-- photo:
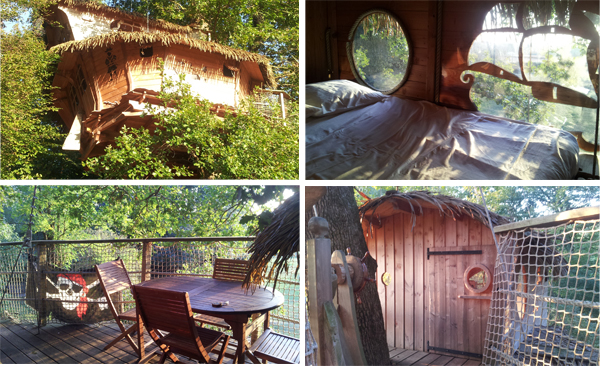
(28, 274)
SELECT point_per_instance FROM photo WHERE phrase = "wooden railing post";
(42, 284)
(146, 260)
(319, 279)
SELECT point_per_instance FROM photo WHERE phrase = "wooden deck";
(400, 356)
(67, 343)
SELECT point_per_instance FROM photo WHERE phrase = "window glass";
(501, 16)
(380, 51)
(558, 58)
(498, 48)
(546, 13)
(558, 66)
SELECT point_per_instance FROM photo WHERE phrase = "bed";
(354, 132)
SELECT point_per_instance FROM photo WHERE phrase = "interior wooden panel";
(421, 302)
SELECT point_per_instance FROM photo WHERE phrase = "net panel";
(546, 299)
(76, 262)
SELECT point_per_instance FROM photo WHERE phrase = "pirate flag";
(70, 297)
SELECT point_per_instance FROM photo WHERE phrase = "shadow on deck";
(400, 356)
(69, 343)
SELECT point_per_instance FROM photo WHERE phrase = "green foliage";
(85, 212)
(31, 137)
(190, 141)
(516, 100)
(380, 51)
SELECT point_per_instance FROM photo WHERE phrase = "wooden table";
(203, 292)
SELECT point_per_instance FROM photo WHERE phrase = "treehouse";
(451, 285)
(452, 89)
(110, 69)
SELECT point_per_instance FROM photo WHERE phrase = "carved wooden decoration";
(579, 25)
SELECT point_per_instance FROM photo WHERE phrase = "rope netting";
(63, 274)
(546, 299)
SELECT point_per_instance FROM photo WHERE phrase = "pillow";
(337, 96)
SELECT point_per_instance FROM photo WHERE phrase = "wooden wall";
(421, 303)
(417, 17)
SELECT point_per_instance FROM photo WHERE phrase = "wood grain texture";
(426, 292)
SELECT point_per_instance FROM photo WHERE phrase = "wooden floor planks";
(73, 344)
(406, 357)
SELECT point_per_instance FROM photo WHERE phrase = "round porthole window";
(477, 278)
(386, 278)
(379, 51)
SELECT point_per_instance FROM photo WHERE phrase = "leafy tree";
(78, 212)
(31, 135)
(190, 141)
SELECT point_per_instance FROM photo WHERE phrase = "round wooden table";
(203, 292)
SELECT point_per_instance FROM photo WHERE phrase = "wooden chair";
(230, 269)
(114, 279)
(226, 270)
(170, 311)
(274, 347)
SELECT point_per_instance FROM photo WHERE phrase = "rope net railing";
(63, 275)
(546, 299)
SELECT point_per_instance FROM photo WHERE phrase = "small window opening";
(227, 72)
(146, 52)
(477, 278)
(81, 80)
(555, 93)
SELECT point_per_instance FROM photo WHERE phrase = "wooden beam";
(586, 213)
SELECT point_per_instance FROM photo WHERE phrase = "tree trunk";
(338, 207)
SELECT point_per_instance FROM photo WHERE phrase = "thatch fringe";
(279, 242)
(96, 8)
(168, 39)
(449, 206)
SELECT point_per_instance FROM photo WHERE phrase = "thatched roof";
(168, 39)
(414, 203)
(101, 9)
(278, 242)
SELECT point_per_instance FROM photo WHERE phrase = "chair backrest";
(168, 311)
(230, 269)
(113, 277)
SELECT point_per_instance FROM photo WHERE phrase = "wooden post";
(146, 259)
(282, 103)
(319, 279)
(42, 284)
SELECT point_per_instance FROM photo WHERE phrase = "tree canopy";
(94, 212)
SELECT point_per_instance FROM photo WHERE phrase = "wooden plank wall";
(421, 303)
(417, 17)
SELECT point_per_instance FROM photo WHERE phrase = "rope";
(26, 244)
(438, 54)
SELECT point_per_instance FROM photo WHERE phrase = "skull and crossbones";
(72, 291)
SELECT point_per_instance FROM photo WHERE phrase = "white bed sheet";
(403, 139)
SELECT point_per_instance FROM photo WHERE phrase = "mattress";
(353, 132)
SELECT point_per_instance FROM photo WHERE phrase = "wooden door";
(459, 289)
